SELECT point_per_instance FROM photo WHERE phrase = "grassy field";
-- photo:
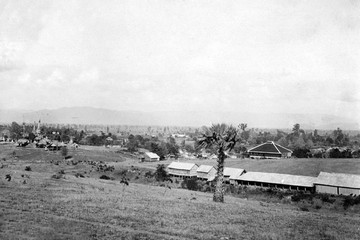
(90, 208)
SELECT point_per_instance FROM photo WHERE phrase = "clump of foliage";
(351, 201)
(301, 196)
(28, 168)
(160, 173)
(79, 175)
(190, 184)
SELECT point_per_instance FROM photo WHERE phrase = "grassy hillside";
(89, 208)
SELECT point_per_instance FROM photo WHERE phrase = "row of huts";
(332, 183)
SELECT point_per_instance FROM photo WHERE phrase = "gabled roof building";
(182, 169)
(269, 150)
(206, 172)
(337, 183)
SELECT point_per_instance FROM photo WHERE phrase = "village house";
(206, 172)
(183, 170)
(337, 183)
(269, 150)
(151, 157)
(232, 173)
(276, 180)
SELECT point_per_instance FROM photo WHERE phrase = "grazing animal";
(8, 177)
(24, 182)
(125, 181)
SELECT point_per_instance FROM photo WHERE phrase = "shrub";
(61, 171)
(149, 174)
(27, 168)
(190, 183)
(57, 176)
(79, 175)
(160, 173)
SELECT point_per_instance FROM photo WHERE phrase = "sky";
(181, 55)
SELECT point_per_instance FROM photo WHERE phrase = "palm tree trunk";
(219, 187)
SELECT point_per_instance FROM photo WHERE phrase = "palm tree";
(221, 138)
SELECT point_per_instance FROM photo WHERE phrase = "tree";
(160, 173)
(64, 152)
(222, 138)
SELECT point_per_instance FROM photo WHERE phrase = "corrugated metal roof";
(269, 147)
(276, 178)
(338, 179)
(152, 155)
(233, 172)
(181, 165)
(204, 168)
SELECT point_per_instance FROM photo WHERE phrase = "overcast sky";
(244, 56)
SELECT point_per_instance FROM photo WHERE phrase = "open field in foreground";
(90, 208)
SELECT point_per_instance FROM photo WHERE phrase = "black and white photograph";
(179, 119)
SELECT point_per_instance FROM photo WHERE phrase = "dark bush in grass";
(160, 173)
(80, 175)
(350, 201)
(301, 153)
(105, 177)
(190, 184)
(68, 157)
(27, 168)
(301, 196)
(57, 176)
(61, 171)
(149, 174)
(326, 198)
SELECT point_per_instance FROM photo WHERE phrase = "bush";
(190, 184)
(61, 171)
(301, 196)
(79, 175)
(27, 168)
(57, 176)
(350, 201)
(301, 153)
(160, 173)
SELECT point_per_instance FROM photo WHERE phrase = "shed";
(269, 150)
(337, 183)
(151, 157)
(232, 173)
(206, 172)
(182, 169)
(276, 180)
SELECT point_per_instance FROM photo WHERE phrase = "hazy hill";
(89, 115)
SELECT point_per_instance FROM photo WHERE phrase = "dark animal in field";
(105, 177)
(24, 182)
(8, 177)
(27, 168)
(125, 181)
(79, 175)
(25, 175)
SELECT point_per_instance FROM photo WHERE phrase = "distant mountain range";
(89, 115)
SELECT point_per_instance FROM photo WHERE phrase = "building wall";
(348, 191)
(179, 172)
(193, 170)
(210, 174)
(326, 189)
(148, 159)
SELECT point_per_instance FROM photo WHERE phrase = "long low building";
(337, 183)
(182, 169)
(276, 180)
